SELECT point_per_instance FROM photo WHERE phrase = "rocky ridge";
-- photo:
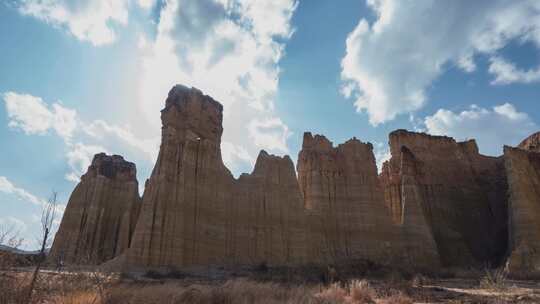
(436, 202)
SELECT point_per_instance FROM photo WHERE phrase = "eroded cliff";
(101, 213)
(462, 194)
(523, 167)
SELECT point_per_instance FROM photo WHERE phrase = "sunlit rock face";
(268, 222)
(101, 213)
(531, 143)
(523, 168)
(462, 194)
(343, 200)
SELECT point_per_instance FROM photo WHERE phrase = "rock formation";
(523, 169)
(531, 143)
(462, 193)
(101, 213)
(268, 220)
(435, 202)
(339, 187)
(195, 213)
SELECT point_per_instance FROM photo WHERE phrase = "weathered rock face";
(404, 199)
(195, 213)
(268, 219)
(346, 213)
(531, 143)
(341, 194)
(462, 194)
(101, 213)
(182, 219)
(523, 168)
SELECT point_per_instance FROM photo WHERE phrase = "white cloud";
(79, 158)
(6, 186)
(382, 154)
(506, 72)
(391, 62)
(229, 49)
(87, 20)
(146, 4)
(269, 134)
(493, 128)
(33, 116)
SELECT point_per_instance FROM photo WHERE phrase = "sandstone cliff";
(268, 220)
(101, 213)
(523, 168)
(531, 143)
(341, 194)
(461, 192)
(195, 213)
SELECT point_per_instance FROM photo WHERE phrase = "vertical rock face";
(461, 192)
(195, 213)
(182, 219)
(268, 220)
(404, 199)
(342, 198)
(523, 169)
(101, 213)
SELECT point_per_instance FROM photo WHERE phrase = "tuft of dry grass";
(397, 298)
(494, 279)
(356, 292)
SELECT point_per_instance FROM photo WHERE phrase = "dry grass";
(233, 291)
(494, 279)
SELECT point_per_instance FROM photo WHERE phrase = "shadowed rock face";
(462, 194)
(523, 167)
(346, 213)
(436, 201)
(101, 213)
(195, 213)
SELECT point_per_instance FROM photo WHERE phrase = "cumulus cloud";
(492, 128)
(7, 187)
(87, 20)
(506, 72)
(390, 63)
(33, 116)
(229, 49)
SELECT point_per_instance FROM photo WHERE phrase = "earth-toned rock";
(462, 194)
(436, 202)
(346, 217)
(195, 213)
(101, 213)
(531, 143)
(523, 168)
(268, 219)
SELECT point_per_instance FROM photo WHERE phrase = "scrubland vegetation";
(87, 286)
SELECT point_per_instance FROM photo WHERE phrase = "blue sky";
(81, 77)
